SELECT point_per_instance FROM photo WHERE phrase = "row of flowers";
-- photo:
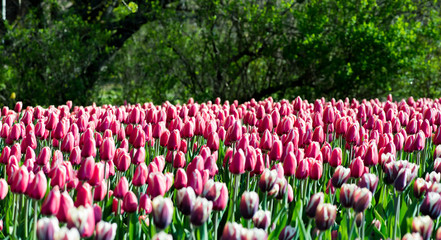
(256, 170)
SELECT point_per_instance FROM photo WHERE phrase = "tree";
(110, 51)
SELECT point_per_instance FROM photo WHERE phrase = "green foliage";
(45, 64)
(111, 51)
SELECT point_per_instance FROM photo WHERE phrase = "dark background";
(110, 51)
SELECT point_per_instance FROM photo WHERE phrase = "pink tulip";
(237, 166)
(51, 203)
(82, 218)
(121, 189)
(20, 180)
(3, 189)
(84, 195)
(156, 184)
(130, 202)
(86, 169)
(66, 203)
(181, 179)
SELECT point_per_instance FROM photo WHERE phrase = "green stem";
(193, 235)
(236, 188)
(265, 199)
(35, 219)
(26, 218)
(129, 220)
(352, 229)
(397, 216)
(204, 231)
(215, 225)
(348, 218)
(248, 181)
(15, 219)
(117, 215)
(437, 222)
(362, 227)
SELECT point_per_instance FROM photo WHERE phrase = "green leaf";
(133, 226)
(133, 7)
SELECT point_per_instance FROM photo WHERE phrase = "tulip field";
(292, 169)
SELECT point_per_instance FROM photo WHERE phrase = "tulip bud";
(217, 193)
(353, 135)
(232, 231)
(357, 168)
(403, 179)
(86, 169)
(195, 181)
(20, 180)
(105, 231)
(267, 180)
(66, 203)
(89, 148)
(276, 150)
(419, 187)
(145, 203)
(100, 191)
(336, 157)
(59, 177)
(249, 204)
(325, 216)
(419, 142)
(67, 234)
(47, 227)
(68, 143)
(162, 211)
(123, 162)
(290, 164)
(107, 149)
(140, 176)
(315, 200)
(347, 195)
(369, 181)
(162, 236)
(237, 166)
(181, 179)
(185, 200)
(121, 189)
(371, 157)
(302, 170)
(3, 189)
(213, 141)
(201, 211)
(44, 156)
(156, 184)
(51, 203)
(84, 195)
(82, 218)
(362, 199)
(431, 205)
(316, 170)
(340, 176)
(433, 177)
(137, 137)
(423, 225)
(179, 160)
(288, 233)
(18, 106)
(262, 219)
(174, 140)
(130, 202)
(37, 187)
(75, 156)
(4, 157)
(266, 142)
